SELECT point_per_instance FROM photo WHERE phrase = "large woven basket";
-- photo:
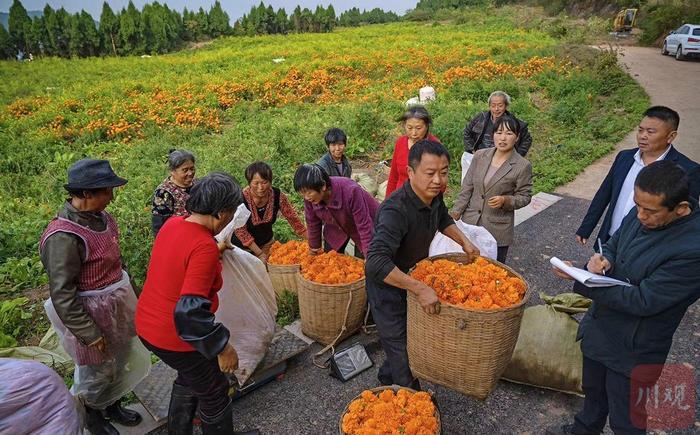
(394, 388)
(322, 308)
(463, 349)
(284, 277)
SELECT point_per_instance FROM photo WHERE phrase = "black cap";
(92, 174)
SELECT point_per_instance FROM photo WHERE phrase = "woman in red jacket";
(175, 312)
(416, 123)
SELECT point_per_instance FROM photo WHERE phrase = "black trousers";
(607, 395)
(388, 307)
(501, 254)
(203, 377)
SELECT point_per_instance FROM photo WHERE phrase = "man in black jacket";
(627, 333)
(478, 133)
(655, 135)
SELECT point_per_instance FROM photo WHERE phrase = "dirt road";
(668, 82)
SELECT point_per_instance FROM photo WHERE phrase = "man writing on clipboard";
(627, 333)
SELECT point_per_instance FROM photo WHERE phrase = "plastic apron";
(102, 378)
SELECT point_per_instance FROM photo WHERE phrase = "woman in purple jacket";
(337, 207)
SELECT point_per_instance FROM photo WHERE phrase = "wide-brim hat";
(92, 174)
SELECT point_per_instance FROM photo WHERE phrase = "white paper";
(585, 277)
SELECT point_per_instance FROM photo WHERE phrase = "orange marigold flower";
(480, 285)
(388, 413)
(292, 252)
(332, 268)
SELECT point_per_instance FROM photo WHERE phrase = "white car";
(683, 42)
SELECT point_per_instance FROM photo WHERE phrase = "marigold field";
(230, 104)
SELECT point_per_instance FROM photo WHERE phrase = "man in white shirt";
(655, 136)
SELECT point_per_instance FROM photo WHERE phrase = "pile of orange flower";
(388, 413)
(480, 285)
(332, 268)
(291, 252)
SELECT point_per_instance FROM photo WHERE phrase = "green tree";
(131, 31)
(91, 38)
(7, 49)
(57, 24)
(19, 24)
(296, 24)
(109, 30)
(37, 37)
(155, 37)
(202, 22)
(218, 21)
(75, 36)
(282, 21)
(331, 19)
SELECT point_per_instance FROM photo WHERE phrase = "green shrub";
(287, 308)
(12, 320)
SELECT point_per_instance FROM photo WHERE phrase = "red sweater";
(399, 164)
(184, 261)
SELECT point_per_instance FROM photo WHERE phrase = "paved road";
(668, 82)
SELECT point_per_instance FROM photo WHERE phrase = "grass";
(230, 104)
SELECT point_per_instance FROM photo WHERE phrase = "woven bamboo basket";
(322, 308)
(284, 277)
(394, 388)
(463, 349)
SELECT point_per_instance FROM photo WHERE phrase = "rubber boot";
(183, 406)
(118, 414)
(97, 424)
(224, 425)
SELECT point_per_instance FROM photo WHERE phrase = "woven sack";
(547, 354)
(460, 348)
(395, 389)
(326, 309)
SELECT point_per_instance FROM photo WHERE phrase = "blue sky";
(234, 8)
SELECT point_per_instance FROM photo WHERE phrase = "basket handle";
(332, 345)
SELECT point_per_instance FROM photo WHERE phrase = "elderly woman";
(338, 207)
(416, 123)
(498, 182)
(175, 313)
(171, 195)
(478, 134)
(92, 302)
(264, 203)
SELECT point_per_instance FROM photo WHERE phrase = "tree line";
(263, 20)
(157, 29)
(154, 29)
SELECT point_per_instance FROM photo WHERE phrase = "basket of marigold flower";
(468, 345)
(391, 410)
(332, 296)
(283, 265)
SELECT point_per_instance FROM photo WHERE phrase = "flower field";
(230, 104)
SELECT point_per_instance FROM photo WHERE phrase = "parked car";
(683, 42)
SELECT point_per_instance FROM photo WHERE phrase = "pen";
(600, 248)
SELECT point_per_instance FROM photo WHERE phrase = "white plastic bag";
(466, 161)
(34, 400)
(479, 236)
(247, 304)
(247, 307)
(240, 218)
